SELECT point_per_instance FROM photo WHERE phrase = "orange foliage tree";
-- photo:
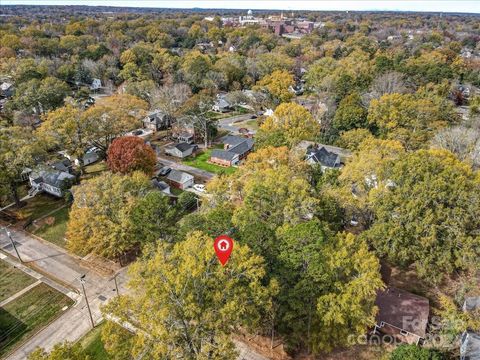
(130, 153)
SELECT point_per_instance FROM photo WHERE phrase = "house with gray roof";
(157, 120)
(161, 186)
(470, 340)
(222, 104)
(180, 179)
(321, 156)
(50, 180)
(470, 346)
(235, 149)
(181, 150)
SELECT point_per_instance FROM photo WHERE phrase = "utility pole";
(82, 281)
(9, 235)
(116, 285)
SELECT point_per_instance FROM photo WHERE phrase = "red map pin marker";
(223, 246)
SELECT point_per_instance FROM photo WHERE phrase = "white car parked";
(199, 188)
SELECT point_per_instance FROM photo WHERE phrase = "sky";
(471, 6)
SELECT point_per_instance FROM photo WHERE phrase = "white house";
(180, 150)
(96, 84)
(50, 180)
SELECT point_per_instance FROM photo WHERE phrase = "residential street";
(55, 262)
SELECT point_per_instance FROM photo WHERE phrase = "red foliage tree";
(129, 153)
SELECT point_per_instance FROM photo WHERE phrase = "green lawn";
(12, 280)
(201, 162)
(175, 191)
(27, 314)
(93, 345)
(94, 169)
(38, 206)
(55, 233)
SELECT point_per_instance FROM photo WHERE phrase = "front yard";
(53, 227)
(38, 206)
(201, 162)
(93, 344)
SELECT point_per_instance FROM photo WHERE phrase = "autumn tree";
(60, 351)
(195, 112)
(68, 128)
(130, 153)
(170, 98)
(113, 116)
(281, 216)
(18, 150)
(316, 305)
(409, 118)
(110, 212)
(350, 114)
(40, 96)
(428, 215)
(292, 122)
(191, 289)
(363, 175)
(278, 84)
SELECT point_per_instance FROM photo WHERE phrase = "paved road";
(67, 269)
(229, 123)
(182, 167)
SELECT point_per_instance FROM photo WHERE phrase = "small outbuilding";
(180, 179)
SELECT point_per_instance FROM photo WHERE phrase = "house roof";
(223, 154)
(161, 185)
(243, 147)
(403, 310)
(470, 345)
(471, 303)
(5, 86)
(183, 146)
(155, 117)
(62, 165)
(179, 176)
(50, 176)
(324, 157)
(232, 140)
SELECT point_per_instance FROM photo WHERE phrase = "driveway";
(229, 123)
(65, 270)
(205, 175)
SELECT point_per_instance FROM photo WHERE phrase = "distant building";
(402, 315)
(180, 179)
(6, 89)
(222, 104)
(96, 84)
